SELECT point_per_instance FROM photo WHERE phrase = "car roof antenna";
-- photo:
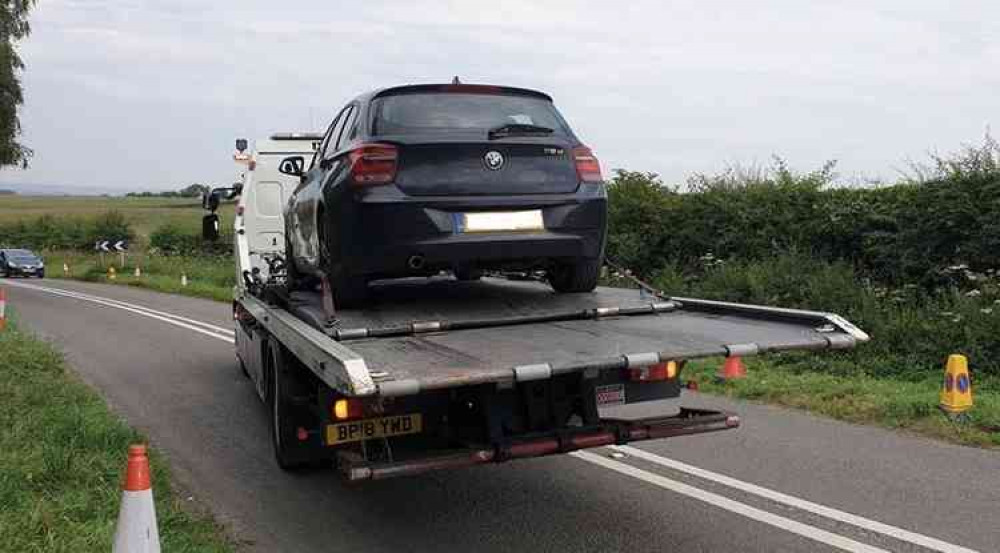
(455, 80)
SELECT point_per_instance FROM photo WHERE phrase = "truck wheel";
(575, 277)
(290, 452)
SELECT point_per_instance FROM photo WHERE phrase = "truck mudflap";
(609, 432)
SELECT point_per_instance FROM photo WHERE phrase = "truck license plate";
(384, 427)
(499, 221)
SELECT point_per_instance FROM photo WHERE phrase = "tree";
(193, 191)
(13, 27)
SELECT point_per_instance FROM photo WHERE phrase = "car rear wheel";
(575, 277)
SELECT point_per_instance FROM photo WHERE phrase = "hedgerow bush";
(170, 239)
(50, 233)
(906, 233)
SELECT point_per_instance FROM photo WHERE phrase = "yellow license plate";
(385, 427)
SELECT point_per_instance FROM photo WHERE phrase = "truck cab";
(259, 225)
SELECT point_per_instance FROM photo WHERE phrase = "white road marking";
(175, 320)
(83, 295)
(787, 524)
(822, 510)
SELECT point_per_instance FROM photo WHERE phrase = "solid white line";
(101, 301)
(82, 295)
(793, 526)
(828, 512)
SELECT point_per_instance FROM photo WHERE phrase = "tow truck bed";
(422, 335)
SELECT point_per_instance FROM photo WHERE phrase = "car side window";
(348, 127)
(326, 140)
(330, 147)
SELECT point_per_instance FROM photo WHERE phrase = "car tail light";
(587, 166)
(344, 409)
(655, 373)
(373, 164)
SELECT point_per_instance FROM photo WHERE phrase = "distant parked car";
(413, 180)
(21, 263)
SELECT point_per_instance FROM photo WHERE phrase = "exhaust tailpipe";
(415, 262)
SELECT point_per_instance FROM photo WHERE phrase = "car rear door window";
(448, 111)
(345, 131)
(330, 147)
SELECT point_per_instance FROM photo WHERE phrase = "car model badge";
(493, 160)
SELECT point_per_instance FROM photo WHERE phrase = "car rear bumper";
(400, 238)
(25, 272)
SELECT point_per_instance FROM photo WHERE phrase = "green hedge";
(50, 233)
(907, 233)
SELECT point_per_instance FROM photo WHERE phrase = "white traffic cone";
(136, 531)
(184, 279)
(138, 272)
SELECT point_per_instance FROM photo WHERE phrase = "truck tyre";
(290, 452)
(575, 277)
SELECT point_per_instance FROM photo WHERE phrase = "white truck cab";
(259, 225)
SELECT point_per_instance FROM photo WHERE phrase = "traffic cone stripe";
(137, 470)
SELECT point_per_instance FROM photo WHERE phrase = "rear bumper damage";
(609, 432)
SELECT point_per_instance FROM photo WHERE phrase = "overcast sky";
(134, 94)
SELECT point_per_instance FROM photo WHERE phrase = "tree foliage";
(13, 27)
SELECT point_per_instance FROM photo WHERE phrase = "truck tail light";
(373, 164)
(344, 409)
(655, 373)
(588, 169)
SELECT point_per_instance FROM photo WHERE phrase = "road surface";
(785, 481)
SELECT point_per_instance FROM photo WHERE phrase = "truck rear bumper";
(610, 432)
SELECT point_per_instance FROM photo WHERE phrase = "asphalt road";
(785, 481)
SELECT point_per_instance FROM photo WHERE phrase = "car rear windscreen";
(444, 111)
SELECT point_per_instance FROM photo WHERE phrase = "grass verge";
(208, 277)
(63, 453)
(888, 402)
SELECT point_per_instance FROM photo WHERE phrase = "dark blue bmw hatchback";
(413, 180)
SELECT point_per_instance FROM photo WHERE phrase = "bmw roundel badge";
(493, 160)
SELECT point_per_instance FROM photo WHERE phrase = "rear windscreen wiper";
(517, 128)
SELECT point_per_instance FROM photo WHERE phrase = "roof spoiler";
(467, 88)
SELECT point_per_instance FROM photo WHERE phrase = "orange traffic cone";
(3, 308)
(732, 369)
(136, 531)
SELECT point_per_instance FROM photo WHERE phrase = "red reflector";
(302, 434)
(373, 164)
(588, 169)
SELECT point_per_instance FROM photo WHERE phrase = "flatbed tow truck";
(439, 374)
